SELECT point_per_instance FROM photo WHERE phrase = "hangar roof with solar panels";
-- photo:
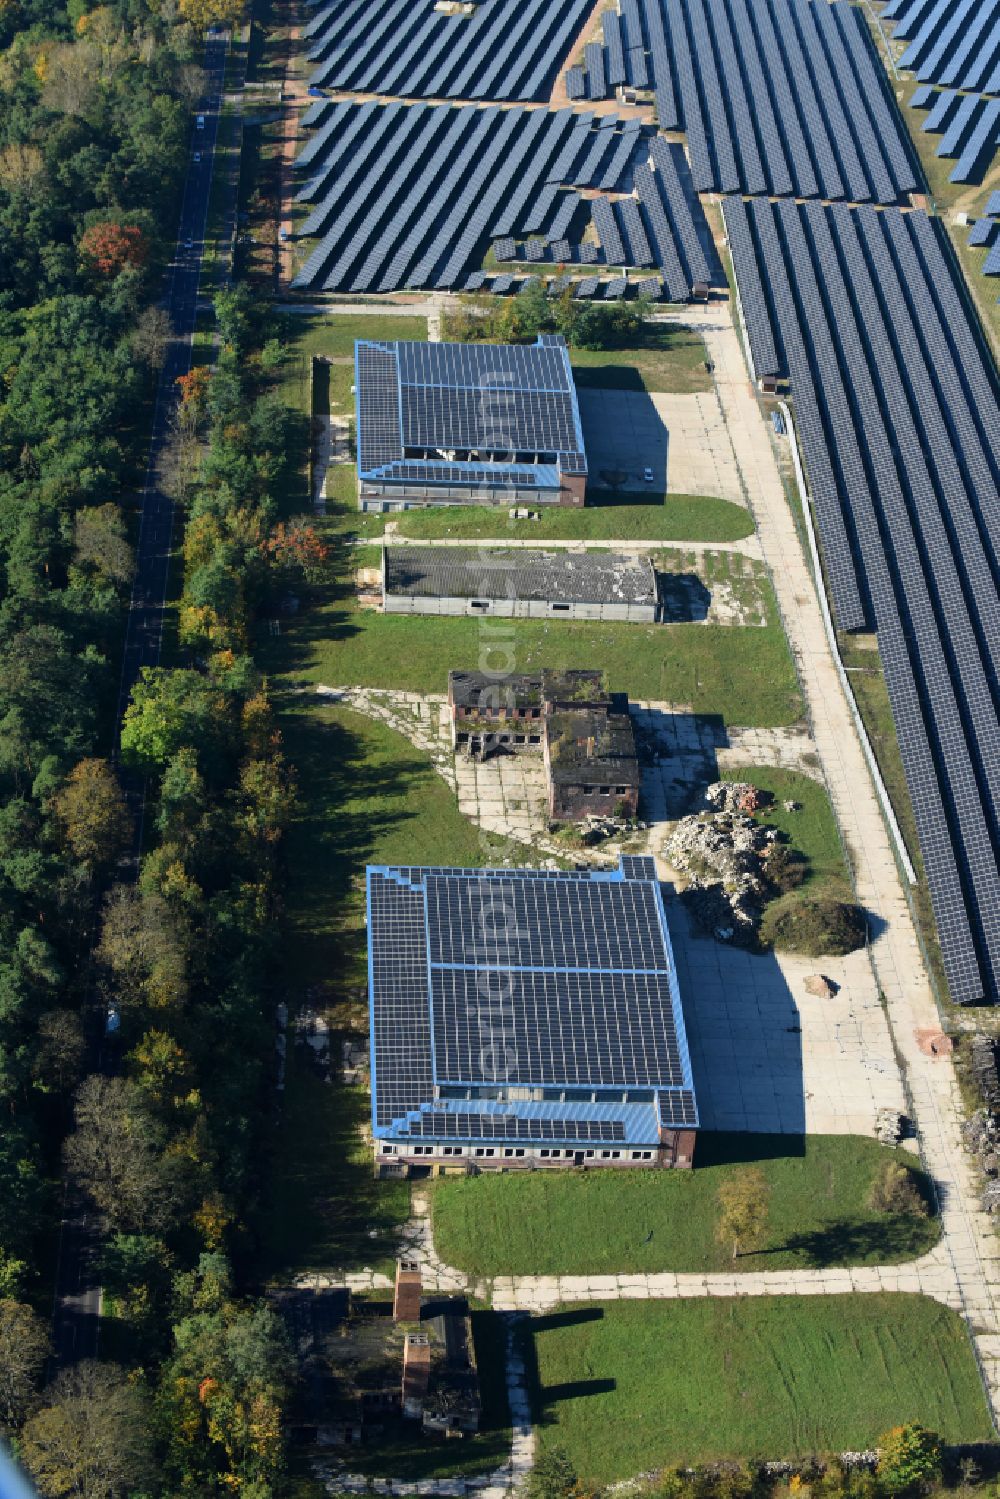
(443, 413)
(525, 1005)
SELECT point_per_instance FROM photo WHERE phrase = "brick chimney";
(406, 1302)
(416, 1373)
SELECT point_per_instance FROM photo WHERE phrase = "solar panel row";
(970, 128)
(983, 232)
(506, 50)
(614, 52)
(585, 287)
(952, 42)
(407, 195)
(900, 430)
(782, 97)
(607, 232)
(597, 83)
(470, 1126)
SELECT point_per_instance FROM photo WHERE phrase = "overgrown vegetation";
(906, 1460)
(520, 319)
(613, 345)
(817, 926)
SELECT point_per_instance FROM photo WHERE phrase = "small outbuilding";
(519, 584)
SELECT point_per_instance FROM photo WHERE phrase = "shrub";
(816, 926)
(552, 1476)
(909, 1459)
(784, 867)
(895, 1191)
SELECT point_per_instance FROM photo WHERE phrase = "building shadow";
(744, 1033)
(678, 753)
(626, 438)
(570, 1318)
(683, 598)
(577, 1389)
(543, 1400)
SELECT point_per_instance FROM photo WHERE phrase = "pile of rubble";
(721, 852)
(981, 1132)
(890, 1126)
(596, 828)
(734, 796)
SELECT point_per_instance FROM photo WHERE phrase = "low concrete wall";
(638, 614)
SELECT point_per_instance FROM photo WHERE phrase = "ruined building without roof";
(583, 732)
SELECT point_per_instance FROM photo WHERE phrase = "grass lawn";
(580, 1223)
(668, 359)
(401, 1453)
(742, 673)
(632, 1386)
(811, 831)
(606, 517)
(365, 795)
(331, 335)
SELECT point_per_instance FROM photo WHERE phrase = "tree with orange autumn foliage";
(297, 546)
(194, 385)
(109, 248)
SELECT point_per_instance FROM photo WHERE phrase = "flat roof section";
(512, 573)
(467, 413)
(524, 1004)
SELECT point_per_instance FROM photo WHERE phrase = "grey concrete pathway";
(931, 1275)
(748, 546)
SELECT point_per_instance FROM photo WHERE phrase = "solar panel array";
(970, 129)
(410, 195)
(778, 97)
(468, 1126)
(900, 427)
(953, 42)
(984, 232)
(504, 50)
(419, 400)
(531, 980)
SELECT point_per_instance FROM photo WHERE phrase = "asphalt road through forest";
(77, 1308)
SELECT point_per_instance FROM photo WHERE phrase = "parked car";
(197, 158)
(200, 122)
(647, 475)
(316, 93)
(112, 1021)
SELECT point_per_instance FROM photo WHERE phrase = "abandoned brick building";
(370, 1371)
(583, 732)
